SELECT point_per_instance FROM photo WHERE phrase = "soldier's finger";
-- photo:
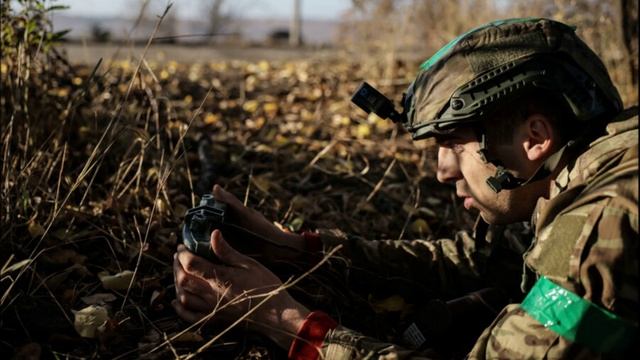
(225, 252)
(186, 314)
(185, 280)
(194, 265)
(193, 301)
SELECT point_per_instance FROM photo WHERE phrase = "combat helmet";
(464, 82)
(465, 79)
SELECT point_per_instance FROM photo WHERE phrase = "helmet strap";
(502, 179)
(482, 139)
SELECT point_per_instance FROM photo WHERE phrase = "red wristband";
(312, 240)
(306, 345)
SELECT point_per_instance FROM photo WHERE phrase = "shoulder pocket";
(558, 250)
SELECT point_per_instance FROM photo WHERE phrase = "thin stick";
(246, 192)
(379, 184)
(64, 155)
(322, 153)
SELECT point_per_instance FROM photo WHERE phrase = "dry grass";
(100, 162)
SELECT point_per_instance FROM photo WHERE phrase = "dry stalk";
(379, 184)
(64, 154)
(246, 192)
(89, 164)
(161, 184)
(322, 153)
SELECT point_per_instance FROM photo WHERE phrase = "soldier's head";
(504, 101)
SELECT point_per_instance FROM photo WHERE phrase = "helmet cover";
(464, 80)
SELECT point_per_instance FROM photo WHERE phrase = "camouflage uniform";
(586, 241)
(444, 268)
(586, 233)
(594, 203)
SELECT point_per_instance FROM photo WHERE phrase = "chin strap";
(502, 180)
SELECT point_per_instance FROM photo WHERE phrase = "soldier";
(529, 127)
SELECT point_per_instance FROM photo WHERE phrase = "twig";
(64, 156)
(379, 184)
(246, 192)
(322, 153)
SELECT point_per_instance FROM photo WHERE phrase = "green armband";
(577, 319)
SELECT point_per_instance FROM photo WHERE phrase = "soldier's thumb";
(223, 250)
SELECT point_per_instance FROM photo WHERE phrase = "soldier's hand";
(229, 290)
(255, 222)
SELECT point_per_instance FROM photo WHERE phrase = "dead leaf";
(433, 201)
(17, 266)
(424, 211)
(299, 202)
(409, 209)
(270, 108)
(420, 227)
(35, 229)
(262, 183)
(212, 118)
(61, 234)
(366, 206)
(393, 303)
(100, 298)
(156, 299)
(362, 131)
(119, 281)
(161, 205)
(89, 321)
(250, 106)
(296, 224)
(64, 257)
(189, 336)
(30, 351)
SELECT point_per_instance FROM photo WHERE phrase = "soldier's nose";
(448, 169)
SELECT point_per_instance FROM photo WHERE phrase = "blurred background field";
(112, 130)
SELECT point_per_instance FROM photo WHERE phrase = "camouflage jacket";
(586, 238)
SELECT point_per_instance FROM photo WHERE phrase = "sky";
(311, 9)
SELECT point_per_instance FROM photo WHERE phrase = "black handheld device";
(199, 223)
(209, 215)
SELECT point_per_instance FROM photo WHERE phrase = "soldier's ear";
(539, 138)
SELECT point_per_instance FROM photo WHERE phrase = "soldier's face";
(460, 163)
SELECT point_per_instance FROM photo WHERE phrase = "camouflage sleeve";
(602, 268)
(446, 267)
(343, 343)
